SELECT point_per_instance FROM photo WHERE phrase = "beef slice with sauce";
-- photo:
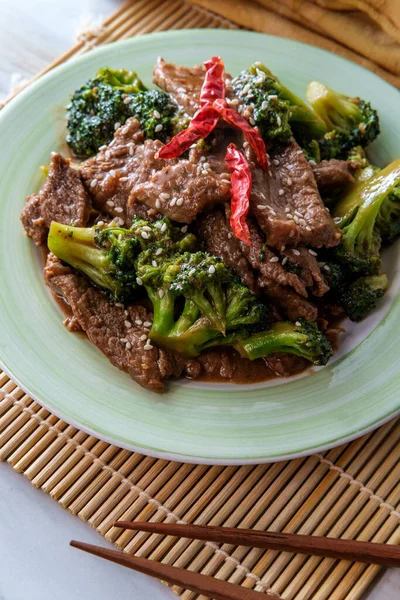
(287, 204)
(310, 270)
(182, 83)
(334, 175)
(110, 175)
(63, 198)
(115, 331)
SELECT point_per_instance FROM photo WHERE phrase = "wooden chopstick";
(201, 584)
(387, 555)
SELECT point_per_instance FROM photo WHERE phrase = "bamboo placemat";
(352, 491)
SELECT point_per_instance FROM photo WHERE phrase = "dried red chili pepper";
(202, 124)
(251, 134)
(241, 181)
(214, 81)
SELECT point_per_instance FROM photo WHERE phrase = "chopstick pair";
(353, 550)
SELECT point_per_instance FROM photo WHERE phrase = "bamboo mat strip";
(352, 491)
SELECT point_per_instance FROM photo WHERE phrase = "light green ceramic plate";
(192, 422)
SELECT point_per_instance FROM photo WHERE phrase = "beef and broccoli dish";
(216, 227)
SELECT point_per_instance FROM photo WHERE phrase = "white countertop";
(36, 562)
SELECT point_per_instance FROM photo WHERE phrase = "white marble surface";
(36, 562)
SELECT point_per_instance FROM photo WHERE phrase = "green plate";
(206, 423)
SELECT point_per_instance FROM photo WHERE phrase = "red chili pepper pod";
(241, 181)
(232, 117)
(214, 81)
(202, 124)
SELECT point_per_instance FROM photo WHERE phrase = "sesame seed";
(125, 130)
(276, 162)
(118, 221)
(287, 209)
(119, 209)
(145, 235)
(131, 151)
(128, 345)
(117, 125)
(279, 120)
(123, 179)
(100, 223)
(302, 222)
(289, 181)
(312, 252)
(261, 207)
(163, 227)
(298, 214)
(234, 101)
(252, 121)
(158, 203)
(281, 192)
(298, 324)
(128, 99)
(245, 89)
(295, 219)
(179, 202)
(165, 195)
(192, 272)
(138, 322)
(143, 337)
(211, 269)
(147, 323)
(273, 97)
(327, 209)
(128, 324)
(327, 268)
(296, 252)
(204, 172)
(123, 340)
(173, 202)
(148, 346)
(103, 147)
(308, 228)
(113, 173)
(312, 162)
(158, 128)
(154, 263)
(264, 105)
(161, 293)
(146, 228)
(321, 264)
(159, 251)
(107, 155)
(110, 203)
(184, 229)
(156, 114)
(274, 259)
(139, 282)
(284, 261)
(93, 183)
(309, 344)
(336, 219)
(230, 235)
(289, 216)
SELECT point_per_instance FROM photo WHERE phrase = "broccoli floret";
(103, 102)
(277, 112)
(312, 151)
(357, 296)
(163, 237)
(356, 213)
(360, 298)
(154, 108)
(388, 219)
(107, 256)
(302, 338)
(197, 301)
(349, 121)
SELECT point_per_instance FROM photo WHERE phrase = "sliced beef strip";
(217, 238)
(183, 188)
(183, 83)
(287, 203)
(288, 302)
(333, 175)
(310, 269)
(32, 220)
(63, 198)
(115, 331)
(110, 175)
(267, 262)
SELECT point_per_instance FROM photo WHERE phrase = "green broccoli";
(349, 121)
(277, 112)
(357, 296)
(302, 338)
(197, 301)
(107, 101)
(106, 255)
(356, 213)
